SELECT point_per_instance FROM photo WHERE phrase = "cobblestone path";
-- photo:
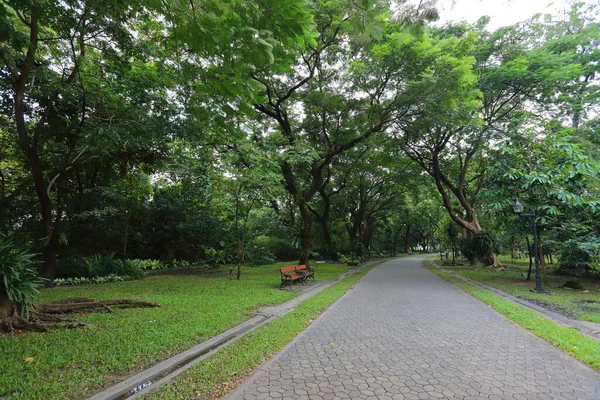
(404, 333)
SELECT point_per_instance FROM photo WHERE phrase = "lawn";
(74, 363)
(582, 305)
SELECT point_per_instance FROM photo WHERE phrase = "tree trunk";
(331, 251)
(494, 260)
(542, 259)
(306, 238)
(6, 306)
(530, 259)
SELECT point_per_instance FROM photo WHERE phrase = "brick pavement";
(404, 333)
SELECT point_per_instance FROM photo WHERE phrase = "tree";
(548, 172)
(514, 75)
(61, 59)
(384, 64)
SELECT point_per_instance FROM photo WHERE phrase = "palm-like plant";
(19, 280)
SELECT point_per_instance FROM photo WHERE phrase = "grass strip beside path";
(568, 339)
(219, 374)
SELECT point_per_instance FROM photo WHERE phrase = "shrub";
(180, 264)
(104, 265)
(148, 265)
(282, 249)
(70, 268)
(18, 277)
(351, 261)
(576, 258)
(257, 255)
(96, 280)
(127, 268)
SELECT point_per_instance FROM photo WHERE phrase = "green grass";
(73, 363)
(511, 279)
(568, 339)
(221, 372)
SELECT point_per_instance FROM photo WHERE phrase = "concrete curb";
(152, 378)
(587, 328)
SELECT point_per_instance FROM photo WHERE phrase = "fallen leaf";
(29, 360)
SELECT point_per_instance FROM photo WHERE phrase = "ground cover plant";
(511, 278)
(568, 339)
(219, 374)
(73, 363)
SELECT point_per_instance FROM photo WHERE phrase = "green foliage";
(71, 267)
(214, 256)
(579, 257)
(351, 261)
(19, 279)
(104, 265)
(282, 249)
(97, 279)
(256, 254)
(147, 265)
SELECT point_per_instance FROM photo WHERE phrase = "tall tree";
(55, 55)
(514, 77)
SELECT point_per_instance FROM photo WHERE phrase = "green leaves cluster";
(18, 276)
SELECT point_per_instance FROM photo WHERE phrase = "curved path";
(404, 333)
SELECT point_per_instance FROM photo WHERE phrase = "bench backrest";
(287, 269)
(300, 267)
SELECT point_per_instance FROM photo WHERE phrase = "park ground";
(74, 363)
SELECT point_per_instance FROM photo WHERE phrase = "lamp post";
(452, 232)
(518, 208)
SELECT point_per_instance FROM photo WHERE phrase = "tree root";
(75, 304)
(49, 315)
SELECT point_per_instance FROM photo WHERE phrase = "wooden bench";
(289, 276)
(295, 273)
(306, 271)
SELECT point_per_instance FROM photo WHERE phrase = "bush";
(257, 255)
(104, 265)
(351, 261)
(70, 268)
(180, 264)
(148, 265)
(83, 280)
(19, 279)
(282, 249)
(575, 259)
(127, 268)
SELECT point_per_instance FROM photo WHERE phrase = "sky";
(502, 12)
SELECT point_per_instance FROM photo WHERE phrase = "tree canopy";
(245, 131)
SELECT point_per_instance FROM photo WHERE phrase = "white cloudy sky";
(502, 12)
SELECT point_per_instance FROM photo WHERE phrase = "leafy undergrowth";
(583, 305)
(568, 339)
(66, 364)
(219, 374)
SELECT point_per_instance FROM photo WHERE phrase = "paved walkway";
(404, 333)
